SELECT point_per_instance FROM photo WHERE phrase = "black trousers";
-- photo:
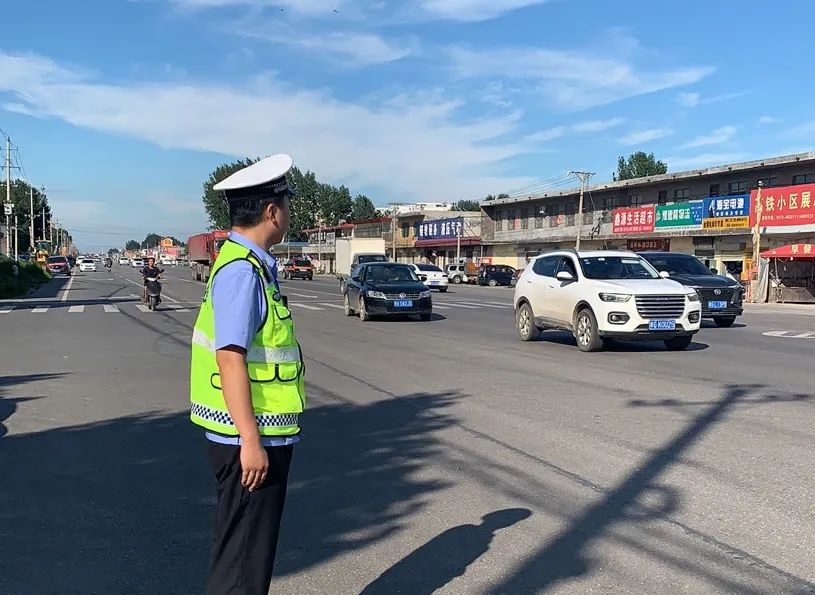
(247, 524)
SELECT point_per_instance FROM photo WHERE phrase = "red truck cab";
(298, 268)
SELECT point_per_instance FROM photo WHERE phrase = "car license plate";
(403, 304)
(662, 325)
(434, 282)
(717, 305)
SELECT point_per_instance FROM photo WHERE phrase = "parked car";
(386, 289)
(461, 273)
(137, 263)
(495, 274)
(298, 268)
(601, 295)
(124, 261)
(24, 258)
(721, 296)
(87, 265)
(431, 275)
(58, 265)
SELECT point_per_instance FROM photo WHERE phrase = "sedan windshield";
(429, 268)
(678, 264)
(390, 274)
(57, 259)
(617, 267)
(302, 263)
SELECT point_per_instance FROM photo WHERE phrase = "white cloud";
(417, 150)
(588, 126)
(704, 160)
(644, 136)
(473, 10)
(548, 134)
(350, 49)
(689, 99)
(306, 7)
(717, 137)
(571, 80)
(767, 120)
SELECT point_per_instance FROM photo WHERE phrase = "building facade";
(709, 213)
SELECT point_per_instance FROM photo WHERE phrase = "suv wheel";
(679, 343)
(586, 333)
(456, 279)
(525, 323)
(347, 305)
(363, 313)
(492, 283)
(724, 321)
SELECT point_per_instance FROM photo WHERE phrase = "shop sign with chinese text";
(654, 244)
(440, 229)
(784, 206)
(687, 215)
(727, 212)
(633, 219)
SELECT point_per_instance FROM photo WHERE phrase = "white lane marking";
(68, 288)
(302, 295)
(76, 308)
(340, 306)
(40, 310)
(484, 304)
(110, 308)
(441, 307)
(454, 305)
(790, 334)
(177, 307)
(6, 309)
(306, 306)
(143, 308)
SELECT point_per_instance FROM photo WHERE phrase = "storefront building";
(450, 239)
(710, 213)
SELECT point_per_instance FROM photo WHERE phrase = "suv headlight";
(376, 295)
(424, 294)
(615, 297)
(692, 296)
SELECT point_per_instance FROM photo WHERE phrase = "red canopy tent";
(802, 251)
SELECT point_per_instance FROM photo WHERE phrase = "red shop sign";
(785, 205)
(633, 220)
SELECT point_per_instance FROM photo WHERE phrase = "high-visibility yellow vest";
(274, 362)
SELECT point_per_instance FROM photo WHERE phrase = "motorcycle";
(108, 266)
(152, 288)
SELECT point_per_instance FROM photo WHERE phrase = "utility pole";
(31, 216)
(458, 242)
(756, 243)
(584, 177)
(8, 195)
(16, 240)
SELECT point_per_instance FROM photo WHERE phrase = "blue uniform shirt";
(239, 308)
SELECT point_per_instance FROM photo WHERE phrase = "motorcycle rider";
(108, 263)
(152, 271)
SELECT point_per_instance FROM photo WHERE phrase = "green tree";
(152, 240)
(493, 197)
(363, 208)
(21, 203)
(639, 165)
(132, 245)
(214, 204)
(467, 205)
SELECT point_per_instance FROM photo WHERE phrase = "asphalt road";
(439, 456)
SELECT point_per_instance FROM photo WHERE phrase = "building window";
(406, 230)
(768, 182)
(499, 221)
(681, 195)
(737, 187)
(511, 220)
(635, 200)
(570, 208)
(524, 218)
(609, 203)
(803, 179)
(539, 210)
(714, 190)
(662, 197)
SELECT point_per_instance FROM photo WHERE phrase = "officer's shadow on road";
(8, 400)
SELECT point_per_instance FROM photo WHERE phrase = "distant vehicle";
(168, 260)
(431, 275)
(137, 263)
(87, 265)
(352, 252)
(202, 250)
(24, 258)
(599, 295)
(58, 265)
(496, 274)
(124, 261)
(464, 272)
(299, 268)
(71, 260)
(386, 289)
(721, 296)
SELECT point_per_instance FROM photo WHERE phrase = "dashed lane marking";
(77, 309)
(110, 308)
(306, 306)
(40, 310)
(790, 334)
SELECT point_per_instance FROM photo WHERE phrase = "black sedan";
(721, 297)
(386, 289)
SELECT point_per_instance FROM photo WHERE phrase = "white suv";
(431, 275)
(604, 294)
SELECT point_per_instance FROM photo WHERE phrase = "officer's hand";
(254, 466)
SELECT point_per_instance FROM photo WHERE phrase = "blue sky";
(121, 108)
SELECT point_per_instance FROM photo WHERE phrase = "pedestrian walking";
(247, 385)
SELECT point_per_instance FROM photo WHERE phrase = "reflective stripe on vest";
(223, 417)
(256, 354)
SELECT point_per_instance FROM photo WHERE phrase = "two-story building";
(706, 212)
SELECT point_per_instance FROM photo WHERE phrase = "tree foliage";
(132, 245)
(639, 165)
(467, 205)
(315, 203)
(493, 197)
(20, 199)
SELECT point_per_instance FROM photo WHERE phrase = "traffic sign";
(8, 208)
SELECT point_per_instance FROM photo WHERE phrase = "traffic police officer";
(246, 382)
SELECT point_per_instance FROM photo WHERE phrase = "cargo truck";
(202, 250)
(352, 252)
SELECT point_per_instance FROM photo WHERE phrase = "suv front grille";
(710, 294)
(399, 296)
(660, 306)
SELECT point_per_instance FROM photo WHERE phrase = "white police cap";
(262, 180)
